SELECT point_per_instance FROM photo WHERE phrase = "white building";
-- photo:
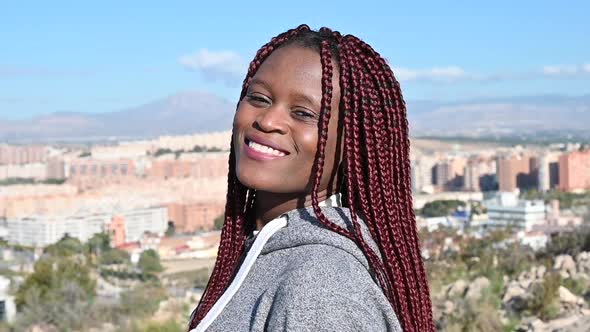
(535, 240)
(507, 210)
(137, 222)
(422, 173)
(7, 307)
(36, 171)
(40, 231)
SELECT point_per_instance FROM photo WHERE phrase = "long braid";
(363, 111)
(375, 127)
(326, 106)
(377, 168)
(353, 168)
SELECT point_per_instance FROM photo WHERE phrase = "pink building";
(574, 171)
(117, 231)
(517, 171)
(191, 217)
(22, 154)
(198, 168)
(92, 173)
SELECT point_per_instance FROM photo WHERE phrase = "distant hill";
(502, 117)
(195, 112)
(182, 113)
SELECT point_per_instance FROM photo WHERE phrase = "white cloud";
(566, 70)
(435, 74)
(225, 66)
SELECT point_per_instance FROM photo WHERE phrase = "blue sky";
(105, 56)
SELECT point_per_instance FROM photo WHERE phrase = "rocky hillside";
(554, 296)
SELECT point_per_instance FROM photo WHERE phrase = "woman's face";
(276, 124)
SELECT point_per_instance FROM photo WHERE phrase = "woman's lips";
(258, 155)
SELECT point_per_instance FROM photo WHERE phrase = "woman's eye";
(257, 100)
(304, 114)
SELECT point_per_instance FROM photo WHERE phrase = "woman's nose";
(272, 119)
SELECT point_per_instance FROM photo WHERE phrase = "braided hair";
(376, 184)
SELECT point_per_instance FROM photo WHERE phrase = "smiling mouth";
(264, 149)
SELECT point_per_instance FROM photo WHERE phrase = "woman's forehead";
(293, 61)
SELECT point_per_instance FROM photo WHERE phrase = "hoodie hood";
(303, 228)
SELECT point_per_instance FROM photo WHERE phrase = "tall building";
(574, 171)
(56, 169)
(422, 169)
(192, 217)
(449, 173)
(548, 171)
(22, 154)
(471, 178)
(516, 171)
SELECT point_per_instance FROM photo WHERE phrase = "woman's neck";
(271, 205)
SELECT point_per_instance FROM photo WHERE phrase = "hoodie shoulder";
(328, 289)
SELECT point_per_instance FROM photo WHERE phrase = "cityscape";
(166, 196)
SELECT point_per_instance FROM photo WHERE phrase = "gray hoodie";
(303, 277)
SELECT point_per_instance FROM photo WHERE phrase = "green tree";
(198, 148)
(115, 256)
(161, 151)
(441, 208)
(66, 246)
(149, 262)
(99, 243)
(218, 221)
(51, 273)
(171, 230)
(54, 181)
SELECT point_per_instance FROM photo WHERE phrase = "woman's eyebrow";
(307, 99)
(258, 81)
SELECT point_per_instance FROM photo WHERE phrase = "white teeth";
(265, 149)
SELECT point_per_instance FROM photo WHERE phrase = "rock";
(449, 306)
(531, 324)
(583, 262)
(525, 283)
(541, 269)
(574, 323)
(564, 274)
(568, 297)
(565, 263)
(476, 287)
(42, 328)
(513, 290)
(457, 288)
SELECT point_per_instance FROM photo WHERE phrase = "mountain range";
(196, 112)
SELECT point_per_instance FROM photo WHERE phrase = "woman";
(319, 231)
